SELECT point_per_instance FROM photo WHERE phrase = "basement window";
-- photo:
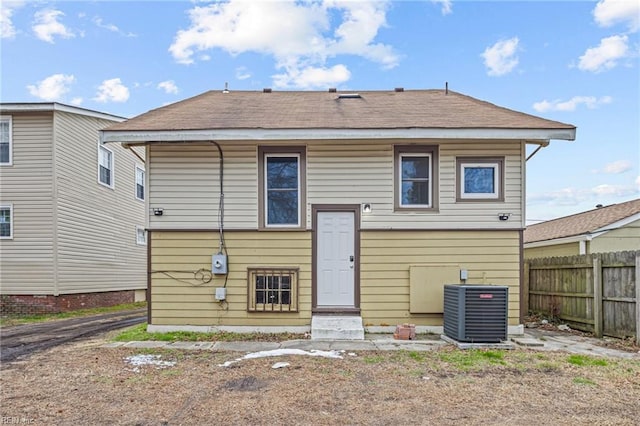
(273, 290)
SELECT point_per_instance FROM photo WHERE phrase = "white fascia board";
(556, 241)
(54, 106)
(133, 137)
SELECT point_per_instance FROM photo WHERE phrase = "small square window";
(273, 290)
(6, 141)
(105, 166)
(140, 183)
(141, 236)
(6, 221)
(480, 179)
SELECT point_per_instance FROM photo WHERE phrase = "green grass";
(28, 319)
(373, 359)
(582, 360)
(583, 381)
(473, 359)
(140, 333)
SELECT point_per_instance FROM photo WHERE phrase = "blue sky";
(577, 62)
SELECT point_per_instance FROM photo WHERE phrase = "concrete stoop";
(326, 327)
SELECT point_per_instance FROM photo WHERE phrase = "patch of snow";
(140, 360)
(352, 354)
(283, 352)
(564, 327)
(280, 365)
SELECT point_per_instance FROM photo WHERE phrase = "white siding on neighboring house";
(97, 248)
(184, 182)
(27, 260)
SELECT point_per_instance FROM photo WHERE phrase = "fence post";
(638, 298)
(524, 293)
(597, 296)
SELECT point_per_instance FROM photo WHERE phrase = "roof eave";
(142, 136)
(55, 106)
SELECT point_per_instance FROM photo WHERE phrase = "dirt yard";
(84, 384)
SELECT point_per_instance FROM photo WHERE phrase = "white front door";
(335, 259)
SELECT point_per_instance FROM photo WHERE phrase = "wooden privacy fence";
(597, 292)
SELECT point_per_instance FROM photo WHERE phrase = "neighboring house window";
(282, 187)
(139, 183)
(141, 236)
(273, 289)
(416, 174)
(6, 141)
(105, 166)
(6, 221)
(480, 178)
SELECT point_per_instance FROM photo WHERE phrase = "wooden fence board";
(597, 292)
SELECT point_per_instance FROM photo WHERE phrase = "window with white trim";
(6, 221)
(140, 183)
(415, 170)
(282, 187)
(6, 141)
(105, 166)
(480, 178)
(273, 289)
(141, 236)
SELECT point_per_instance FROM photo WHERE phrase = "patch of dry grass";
(89, 385)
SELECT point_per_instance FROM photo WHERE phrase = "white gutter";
(54, 106)
(540, 136)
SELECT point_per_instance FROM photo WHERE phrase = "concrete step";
(335, 327)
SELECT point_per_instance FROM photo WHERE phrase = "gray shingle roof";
(581, 223)
(430, 109)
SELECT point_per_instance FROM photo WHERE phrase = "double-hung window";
(416, 177)
(480, 178)
(6, 221)
(139, 183)
(6, 141)
(105, 166)
(282, 187)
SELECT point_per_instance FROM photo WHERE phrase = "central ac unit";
(476, 313)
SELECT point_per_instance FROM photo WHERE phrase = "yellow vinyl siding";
(491, 257)
(621, 239)
(184, 181)
(179, 303)
(26, 261)
(97, 248)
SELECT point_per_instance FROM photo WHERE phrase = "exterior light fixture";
(158, 211)
(504, 216)
(366, 208)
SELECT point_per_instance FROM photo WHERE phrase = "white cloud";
(168, 86)
(46, 25)
(610, 12)
(52, 88)
(312, 77)
(446, 6)
(301, 47)
(501, 58)
(7, 30)
(574, 196)
(112, 91)
(617, 167)
(590, 102)
(242, 73)
(77, 101)
(606, 55)
(99, 22)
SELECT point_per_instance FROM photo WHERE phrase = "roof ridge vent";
(332, 90)
(349, 96)
(399, 89)
(266, 90)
